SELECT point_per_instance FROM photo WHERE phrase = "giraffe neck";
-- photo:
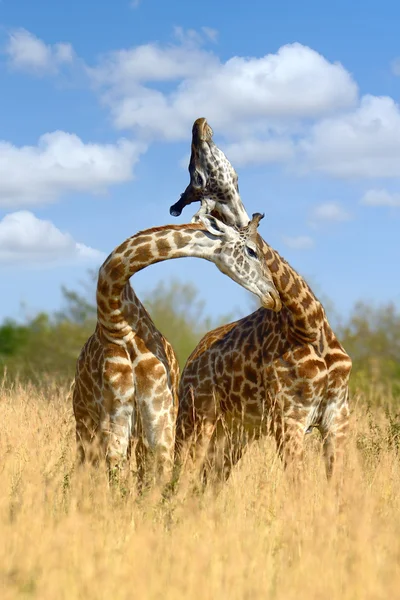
(307, 313)
(142, 250)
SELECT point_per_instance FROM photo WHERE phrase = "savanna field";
(67, 535)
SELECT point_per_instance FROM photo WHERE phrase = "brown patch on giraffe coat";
(238, 381)
(148, 366)
(294, 290)
(102, 306)
(273, 266)
(301, 352)
(250, 374)
(143, 255)
(116, 270)
(307, 301)
(309, 369)
(248, 391)
(333, 357)
(181, 240)
(145, 239)
(103, 287)
(163, 247)
(313, 318)
(284, 280)
(121, 249)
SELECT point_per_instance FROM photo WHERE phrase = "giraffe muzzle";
(272, 301)
(186, 198)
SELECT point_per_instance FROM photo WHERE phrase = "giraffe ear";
(213, 225)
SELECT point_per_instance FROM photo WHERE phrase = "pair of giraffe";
(279, 373)
(125, 392)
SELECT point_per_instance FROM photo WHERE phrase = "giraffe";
(213, 180)
(126, 380)
(280, 373)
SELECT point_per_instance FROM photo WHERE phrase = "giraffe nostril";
(174, 211)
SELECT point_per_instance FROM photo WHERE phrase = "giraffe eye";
(252, 253)
(198, 180)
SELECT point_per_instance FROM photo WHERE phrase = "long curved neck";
(307, 313)
(141, 250)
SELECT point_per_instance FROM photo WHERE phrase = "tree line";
(47, 345)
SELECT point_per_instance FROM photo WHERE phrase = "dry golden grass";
(64, 536)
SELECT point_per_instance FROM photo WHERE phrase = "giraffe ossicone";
(126, 381)
(280, 373)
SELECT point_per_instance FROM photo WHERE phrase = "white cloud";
(26, 52)
(362, 143)
(135, 3)
(60, 163)
(239, 97)
(291, 106)
(330, 211)
(27, 240)
(301, 242)
(381, 198)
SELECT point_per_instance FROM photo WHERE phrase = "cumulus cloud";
(381, 198)
(27, 240)
(61, 162)
(291, 106)
(329, 212)
(239, 96)
(300, 242)
(26, 52)
(362, 143)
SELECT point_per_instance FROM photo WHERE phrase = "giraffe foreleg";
(197, 419)
(227, 446)
(334, 429)
(289, 432)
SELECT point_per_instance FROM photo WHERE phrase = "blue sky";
(97, 100)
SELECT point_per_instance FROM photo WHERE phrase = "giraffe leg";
(289, 437)
(155, 448)
(333, 429)
(86, 429)
(193, 439)
(87, 446)
(115, 434)
(195, 426)
(226, 448)
(188, 425)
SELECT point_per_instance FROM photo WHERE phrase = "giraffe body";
(127, 373)
(278, 373)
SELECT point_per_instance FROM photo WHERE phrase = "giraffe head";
(239, 255)
(213, 180)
